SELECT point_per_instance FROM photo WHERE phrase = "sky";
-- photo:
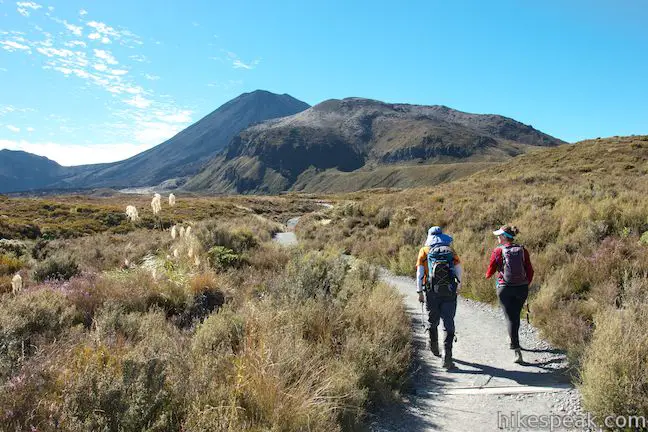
(99, 81)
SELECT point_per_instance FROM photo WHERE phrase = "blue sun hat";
(436, 237)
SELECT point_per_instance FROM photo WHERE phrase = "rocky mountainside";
(360, 135)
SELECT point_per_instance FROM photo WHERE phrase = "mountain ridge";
(354, 134)
(182, 155)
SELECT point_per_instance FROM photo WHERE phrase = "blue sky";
(98, 81)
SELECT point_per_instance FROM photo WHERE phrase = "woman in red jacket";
(515, 272)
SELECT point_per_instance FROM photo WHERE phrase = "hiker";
(512, 263)
(438, 278)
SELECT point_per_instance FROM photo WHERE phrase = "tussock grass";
(582, 212)
(287, 341)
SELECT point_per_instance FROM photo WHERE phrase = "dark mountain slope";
(20, 170)
(189, 150)
(360, 134)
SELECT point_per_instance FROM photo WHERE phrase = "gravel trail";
(485, 382)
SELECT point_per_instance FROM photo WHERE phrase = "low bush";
(28, 321)
(9, 265)
(222, 258)
(55, 268)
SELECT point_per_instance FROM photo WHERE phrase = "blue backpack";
(441, 277)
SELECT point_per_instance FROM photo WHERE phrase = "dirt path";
(486, 381)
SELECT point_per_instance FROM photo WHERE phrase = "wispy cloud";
(105, 56)
(76, 30)
(12, 45)
(83, 12)
(24, 8)
(236, 61)
(138, 102)
(13, 128)
(138, 58)
(238, 64)
(138, 114)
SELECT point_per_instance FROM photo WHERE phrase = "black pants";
(512, 299)
(442, 309)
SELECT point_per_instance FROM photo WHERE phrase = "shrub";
(614, 373)
(28, 321)
(9, 265)
(219, 334)
(222, 258)
(313, 275)
(383, 218)
(105, 391)
(55, 269)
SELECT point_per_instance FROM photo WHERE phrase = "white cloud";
(24, 7)
(106, 56)
(12, 46)
(118, 72)
(156, 132)
(238, 64)
(77, 154)
(138, 102)
(72, 44)
(83, 12)
(94, 36)
(151, 77)
(77, 30)
(55, 52)
(13, 128)
(105, 40)
(100, 67)
(30, 129)
(180, 116)
(138, 58)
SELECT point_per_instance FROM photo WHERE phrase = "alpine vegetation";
(156, 203)
(172, 200)
(174, 232)
(131, 213)
(16, 284)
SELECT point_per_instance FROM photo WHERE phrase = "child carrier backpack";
(513, 270)
(441, 276)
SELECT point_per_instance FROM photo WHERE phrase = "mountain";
(189, 150)
(352, 143)
(20, 170)
(181, 156)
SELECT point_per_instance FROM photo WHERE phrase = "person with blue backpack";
(438, 279)
(512, 263)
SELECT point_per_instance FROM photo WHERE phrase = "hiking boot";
(518, 356)
(447, 360)
(434, 342)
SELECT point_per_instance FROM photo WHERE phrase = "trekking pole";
(528, 311)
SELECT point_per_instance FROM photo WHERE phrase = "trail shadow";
(545, 351)
(527, 378)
